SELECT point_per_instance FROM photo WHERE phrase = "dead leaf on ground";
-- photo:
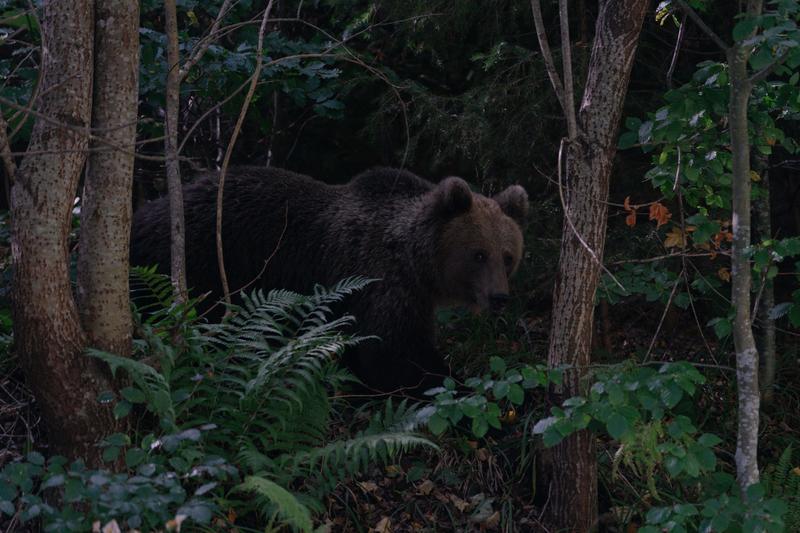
(368, 486)
(384, 526)
(460, 504)
(724, 274)
(426, 487)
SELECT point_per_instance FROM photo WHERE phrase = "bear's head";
(480, 243)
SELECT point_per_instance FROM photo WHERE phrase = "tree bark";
(743, 340)
(766, 300)
(103, 290)
(177, 221)
(48, 335)
(573, 501)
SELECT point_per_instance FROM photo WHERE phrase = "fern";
(262, 378)
(782, 480)
(279, 502)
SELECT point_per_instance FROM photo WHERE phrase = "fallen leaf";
(675, 238)
(755, 176)
(483, 454)
(426, 487)
(796, 471)
(368, 486)
(660, 214)
(724, 274)
(174, 524)
(493, 521)
(510, 417)
(460, 504)
(111, 527)
(393, 471)
(384, 526)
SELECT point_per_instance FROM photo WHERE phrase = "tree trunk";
(103, 290)
(766, 301)
(47, 335)
(573, 500)
(177, 222)
(743, 340)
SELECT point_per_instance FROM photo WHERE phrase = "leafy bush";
(251, 392)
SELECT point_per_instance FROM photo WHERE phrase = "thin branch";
(702, 25)
(762, 74)
(203, 45)
(547, 55)
(678, 44)
(226, 291)
(9, 165)
(566, 60)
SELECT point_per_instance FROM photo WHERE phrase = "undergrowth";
(231, 421)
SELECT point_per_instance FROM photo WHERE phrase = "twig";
(766, 71)
(547, 55)
(678, 43)
(226, 160)
(203, 45)
(702, 25)
(566, 60)
(663, 316)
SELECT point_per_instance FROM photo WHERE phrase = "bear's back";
(384, 183)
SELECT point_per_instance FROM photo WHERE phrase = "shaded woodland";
(643, 375)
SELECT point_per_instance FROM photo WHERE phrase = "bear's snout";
(498, 301)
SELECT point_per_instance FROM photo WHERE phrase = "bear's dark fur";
(429, 245)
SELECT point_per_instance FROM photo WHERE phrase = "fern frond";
(278, 502)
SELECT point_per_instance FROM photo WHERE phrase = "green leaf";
(516, 394)
(479, 427)
(500, 389)
(134, 456)
(498, 365)
(744, 28)
(617, 425)
(110, 454)
(122, 409)
(437, 424)
(133, 395)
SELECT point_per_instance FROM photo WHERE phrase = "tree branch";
(203, 45)
(692, 14)
(226, 291)
(762, 74)
(566, 60)
(547, 55)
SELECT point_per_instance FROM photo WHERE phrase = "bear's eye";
(480, 256)
(508, 259)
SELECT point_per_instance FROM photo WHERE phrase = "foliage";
(252, 391)
(148, 498)
(639, 406)
(493, 399)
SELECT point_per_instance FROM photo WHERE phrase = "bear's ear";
(453, 196)
(514, 203)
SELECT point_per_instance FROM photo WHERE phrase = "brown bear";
(428, 245)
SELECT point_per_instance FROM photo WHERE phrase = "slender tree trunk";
(48, 335)
(573, 501)
(177, 222)
(743, 340)
(103, 291)
(766, 300)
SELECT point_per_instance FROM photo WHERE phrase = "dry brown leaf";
(384, 526)
(755, 176)
(111, 527)
(660, 214)
(796, 471)
(368, 486)
(174, 524)
(630, 220)
(493, 521)
(483, 454)
(510, 417)
(461, 505)
(675, 238)
(724, 274)
(426, 487)
(393, 470)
